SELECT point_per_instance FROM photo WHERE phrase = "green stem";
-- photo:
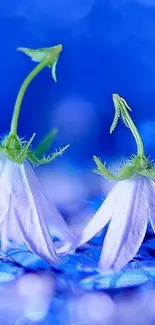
(27, 81)
(123, 107)
(140, 147)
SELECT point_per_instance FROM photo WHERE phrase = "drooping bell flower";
(23, 204)
(129, 205)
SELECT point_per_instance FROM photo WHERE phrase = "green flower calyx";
(137, 164)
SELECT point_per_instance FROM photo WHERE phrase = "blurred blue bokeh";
(109, 47)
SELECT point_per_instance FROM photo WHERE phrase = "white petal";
(28, 219)
(10, 235)
(4, 234)
(102, 216)
(2, 164)
(128, 225)
(6, 177)
(45, 207)
(152, 204)
(97, 223)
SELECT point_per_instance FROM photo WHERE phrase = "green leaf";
(102, 170)
(45, 144)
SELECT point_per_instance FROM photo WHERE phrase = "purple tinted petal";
(101, 217)
(28, 219)
(6, 169)
(128, 225)
(151, 200)
(10, 236)
(97, 223)
(59, 227)
(4, 235)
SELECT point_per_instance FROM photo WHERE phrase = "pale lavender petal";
(5, 187)
(10, 235)
(29, 221)
(102, 216)
(2, 164)
(151, 200)
(4, 234)
(46, 208)
(97, 223)
(128, 225)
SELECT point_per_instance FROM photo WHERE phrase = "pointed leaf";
(103, 170)
(45, 144)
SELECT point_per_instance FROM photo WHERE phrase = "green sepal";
(24, 151)
(149, 173)
(46, 160)
(102, 170)
(45, 144)
(33, 159)
(140, 163)
(12, 142)
(51, 54)
(125, 173)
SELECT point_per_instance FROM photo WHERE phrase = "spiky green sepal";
(102, 170)
(46, 160)
(18, 150)
(134, 166)
(15, 149)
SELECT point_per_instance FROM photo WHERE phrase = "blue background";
(109, 47)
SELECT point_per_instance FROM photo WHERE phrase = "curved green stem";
(122, 107)
(27, 81)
